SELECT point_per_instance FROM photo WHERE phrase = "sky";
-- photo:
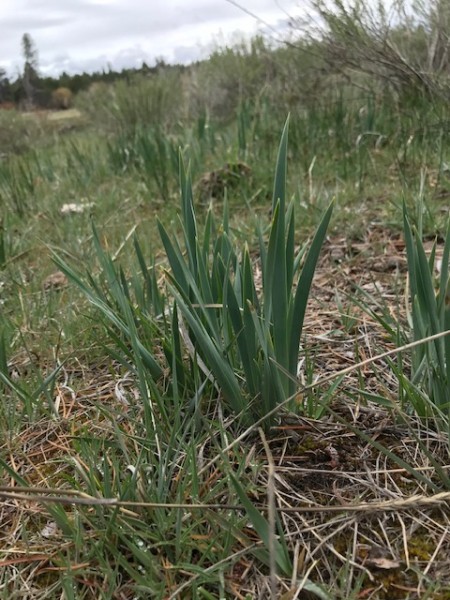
(88, 35)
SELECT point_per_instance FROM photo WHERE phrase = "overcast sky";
(79, 35)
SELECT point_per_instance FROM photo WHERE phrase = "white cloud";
(82, 35)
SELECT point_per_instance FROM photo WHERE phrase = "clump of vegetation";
(393, 46)
(62, 98)
(18, 135)
(214, 184)
(430, 316)
(235, 334)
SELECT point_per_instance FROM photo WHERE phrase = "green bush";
(142, 101)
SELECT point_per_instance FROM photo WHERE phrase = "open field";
(145, 334)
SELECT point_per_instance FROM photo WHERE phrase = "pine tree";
(30, 76)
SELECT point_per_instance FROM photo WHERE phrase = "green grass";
(110, 390)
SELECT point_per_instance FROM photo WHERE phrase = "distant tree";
(64, 80)
(4, 86)
(30, 76)
(160, 64)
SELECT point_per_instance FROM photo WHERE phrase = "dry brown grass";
(356, 520)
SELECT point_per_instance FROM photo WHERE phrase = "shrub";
(141, 101)
(401, 47)
(62, 98)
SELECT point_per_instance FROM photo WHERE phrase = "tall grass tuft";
(17, 185)
(211, 321)
(148, 151)
(429, 315)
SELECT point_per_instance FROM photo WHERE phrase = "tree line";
(30, 90)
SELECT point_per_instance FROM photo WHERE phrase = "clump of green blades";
(247, 342)
(430, 315)
(239, 334)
